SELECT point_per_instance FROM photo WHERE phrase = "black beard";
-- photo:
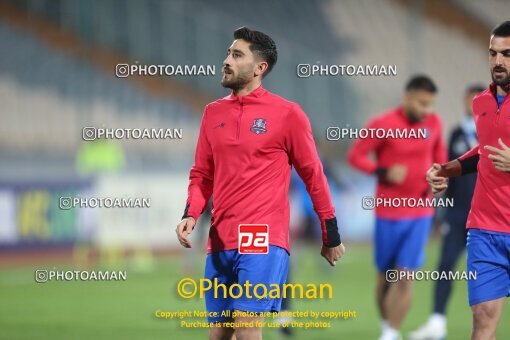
(503, 83)
(235, 84)
(415, 119)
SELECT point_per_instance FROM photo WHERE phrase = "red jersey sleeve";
(359, 153)
(303, 155)
(201, 175)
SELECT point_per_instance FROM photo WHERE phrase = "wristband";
(470, 164)
(332, 234)
(381, 172)
(186, 212)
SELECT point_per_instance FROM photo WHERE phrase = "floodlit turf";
(125, 310)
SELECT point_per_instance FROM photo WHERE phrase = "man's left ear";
(261, 68)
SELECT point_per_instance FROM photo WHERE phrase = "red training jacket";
(490, 206)
(416, 154)
(245, 151)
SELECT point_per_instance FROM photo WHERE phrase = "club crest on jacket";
(259, 126)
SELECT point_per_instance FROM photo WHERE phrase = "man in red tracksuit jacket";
(401, 231)
(248, 143)
(488, 224)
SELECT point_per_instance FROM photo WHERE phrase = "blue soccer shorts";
(230, 267)
(401, 242)
(488, 257)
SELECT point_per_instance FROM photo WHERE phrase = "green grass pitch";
(125, 310)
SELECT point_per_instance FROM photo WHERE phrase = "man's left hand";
(500, 157)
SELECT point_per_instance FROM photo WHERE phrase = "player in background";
(248, 143)
(462, 139)
(401, 233)
(488, 224)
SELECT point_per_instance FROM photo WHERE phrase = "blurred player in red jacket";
(401, 232)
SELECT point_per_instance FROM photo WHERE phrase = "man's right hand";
(396, 174)
(437, 183)
(333, 254)
(184, 229)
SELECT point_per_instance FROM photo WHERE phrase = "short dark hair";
(475, 88)
(260, 44)
(421, 82)
(502, 30)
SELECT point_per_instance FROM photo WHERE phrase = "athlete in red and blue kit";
(488, 240)
(248, 143)
(401, 232)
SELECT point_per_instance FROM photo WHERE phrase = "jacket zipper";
(239, 119)
(499, 108)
